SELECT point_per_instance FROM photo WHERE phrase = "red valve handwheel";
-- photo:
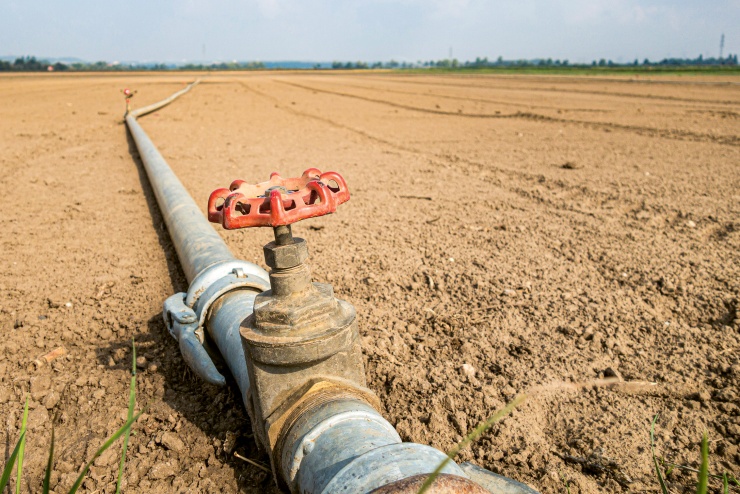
(279, 201)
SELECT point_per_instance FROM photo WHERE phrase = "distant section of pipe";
(197, 243)
(140, 112)
(204, 257)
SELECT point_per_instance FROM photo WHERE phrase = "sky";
(367, 30)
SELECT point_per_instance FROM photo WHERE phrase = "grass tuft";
(11, 461)
(18, 451)
(661, 480)
(107, 444)
(22, 450)
(703, 475)
(131, 405)
(703, 484)
(566, 483)
(47, 477)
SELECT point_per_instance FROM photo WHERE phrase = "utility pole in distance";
(721, 45)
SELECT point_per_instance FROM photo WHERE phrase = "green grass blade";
(566, 483)
(49, 464)
(102, 449)
(11, 461)
(725, 484)
(689, 469)
(702, 486)
(661, 481)
(475, 434)
(131, 405)
(21, 452)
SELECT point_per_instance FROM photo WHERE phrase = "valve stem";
(283, 235)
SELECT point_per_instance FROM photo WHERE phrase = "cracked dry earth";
(506, 234)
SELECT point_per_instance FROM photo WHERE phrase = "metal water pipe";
(340, 443)
(209, 266)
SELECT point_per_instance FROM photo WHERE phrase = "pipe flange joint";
(304, 436)
(388, 464)
(185, 313)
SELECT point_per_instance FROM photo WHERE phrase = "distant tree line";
(730, 60)
(478, 63)
(375, 65)
(223, 66)
(32, 64)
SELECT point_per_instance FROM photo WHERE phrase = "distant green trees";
(32, 64)
(353, 65)
(25, 64)
(221, 66)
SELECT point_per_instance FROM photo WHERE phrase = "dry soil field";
(542, 230)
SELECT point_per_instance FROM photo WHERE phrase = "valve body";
(302, 346)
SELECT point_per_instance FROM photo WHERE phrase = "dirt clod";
(468, 371)
(160, 471)
(51, 400)
(613, 373)
(172, 442)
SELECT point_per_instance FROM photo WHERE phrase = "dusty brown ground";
(541, 230)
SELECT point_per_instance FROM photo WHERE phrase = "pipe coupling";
(185, 313)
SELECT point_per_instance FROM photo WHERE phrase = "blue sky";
(410, 30)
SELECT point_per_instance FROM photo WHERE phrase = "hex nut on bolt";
(286, 256)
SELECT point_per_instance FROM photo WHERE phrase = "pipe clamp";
(185, 313)
(251, 274)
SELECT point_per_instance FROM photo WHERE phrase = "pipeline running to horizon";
(292, 347)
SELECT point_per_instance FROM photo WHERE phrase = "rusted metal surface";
(443, 484)
(298, 332)
(279, 201)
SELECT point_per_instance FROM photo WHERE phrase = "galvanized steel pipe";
(202, 252)
(197, 243)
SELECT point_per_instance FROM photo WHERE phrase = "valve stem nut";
(286, 256)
